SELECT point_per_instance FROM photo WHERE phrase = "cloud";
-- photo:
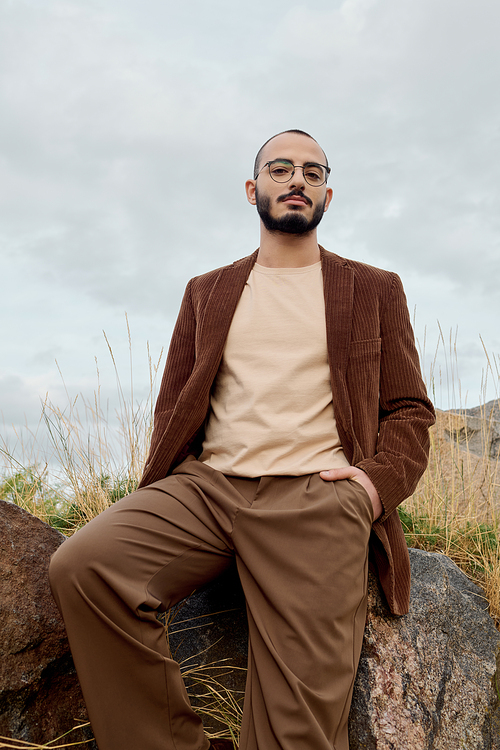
(128, 130)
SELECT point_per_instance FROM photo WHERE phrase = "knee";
(59, 572)
(67, 567)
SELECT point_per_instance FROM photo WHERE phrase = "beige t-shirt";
(271, 405)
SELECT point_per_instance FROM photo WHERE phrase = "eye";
(314, 175)
(280, 169)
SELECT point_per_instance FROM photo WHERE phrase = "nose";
(298, 180)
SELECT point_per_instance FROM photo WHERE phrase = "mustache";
(297, 193)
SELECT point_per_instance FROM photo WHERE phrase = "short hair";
(293, 130)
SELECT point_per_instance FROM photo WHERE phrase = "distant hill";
(477, 430)
(491, 410)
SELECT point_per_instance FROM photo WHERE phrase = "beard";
(293, 222)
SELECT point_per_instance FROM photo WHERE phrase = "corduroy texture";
(380, 403)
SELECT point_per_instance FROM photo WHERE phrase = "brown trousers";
(301, 547)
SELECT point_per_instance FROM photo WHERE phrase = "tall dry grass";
(93, 457)
(456, 506)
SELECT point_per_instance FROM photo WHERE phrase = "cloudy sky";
(128, 128)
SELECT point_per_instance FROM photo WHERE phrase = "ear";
(329, 196)
(250, 191)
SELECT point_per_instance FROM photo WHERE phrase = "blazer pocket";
(365, 355)
(366, 347)
(364, 360)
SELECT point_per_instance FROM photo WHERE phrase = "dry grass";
(459, 484)
(456, 507)
(99, 458)
(59, 742)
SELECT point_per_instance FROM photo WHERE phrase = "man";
(291, 421)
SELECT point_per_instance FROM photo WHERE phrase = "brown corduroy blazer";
(379, 399)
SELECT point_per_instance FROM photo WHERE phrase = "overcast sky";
(128, 128)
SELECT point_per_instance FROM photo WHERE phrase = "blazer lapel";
(224, 297)
(338, 285)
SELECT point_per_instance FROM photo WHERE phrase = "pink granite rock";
(426, 681)
(40, 697)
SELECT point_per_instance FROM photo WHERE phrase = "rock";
(425, 681)
(477, 429)
(40, 697)
(489, 410)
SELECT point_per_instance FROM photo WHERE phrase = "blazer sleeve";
(178, 367)
(405, 411)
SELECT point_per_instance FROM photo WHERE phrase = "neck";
(281, 250)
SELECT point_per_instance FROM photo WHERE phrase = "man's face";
(294, 207)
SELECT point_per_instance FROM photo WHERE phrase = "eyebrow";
(306, 164)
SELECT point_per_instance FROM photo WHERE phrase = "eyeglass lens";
(282, 171)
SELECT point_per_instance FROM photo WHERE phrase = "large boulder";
(40, 697)
(429, 679)
(426, 681)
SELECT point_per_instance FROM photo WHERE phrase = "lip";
(295, 198)
(295, 201)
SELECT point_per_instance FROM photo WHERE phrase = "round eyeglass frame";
(295, 166)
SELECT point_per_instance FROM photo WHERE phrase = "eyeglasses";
(282, 170)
